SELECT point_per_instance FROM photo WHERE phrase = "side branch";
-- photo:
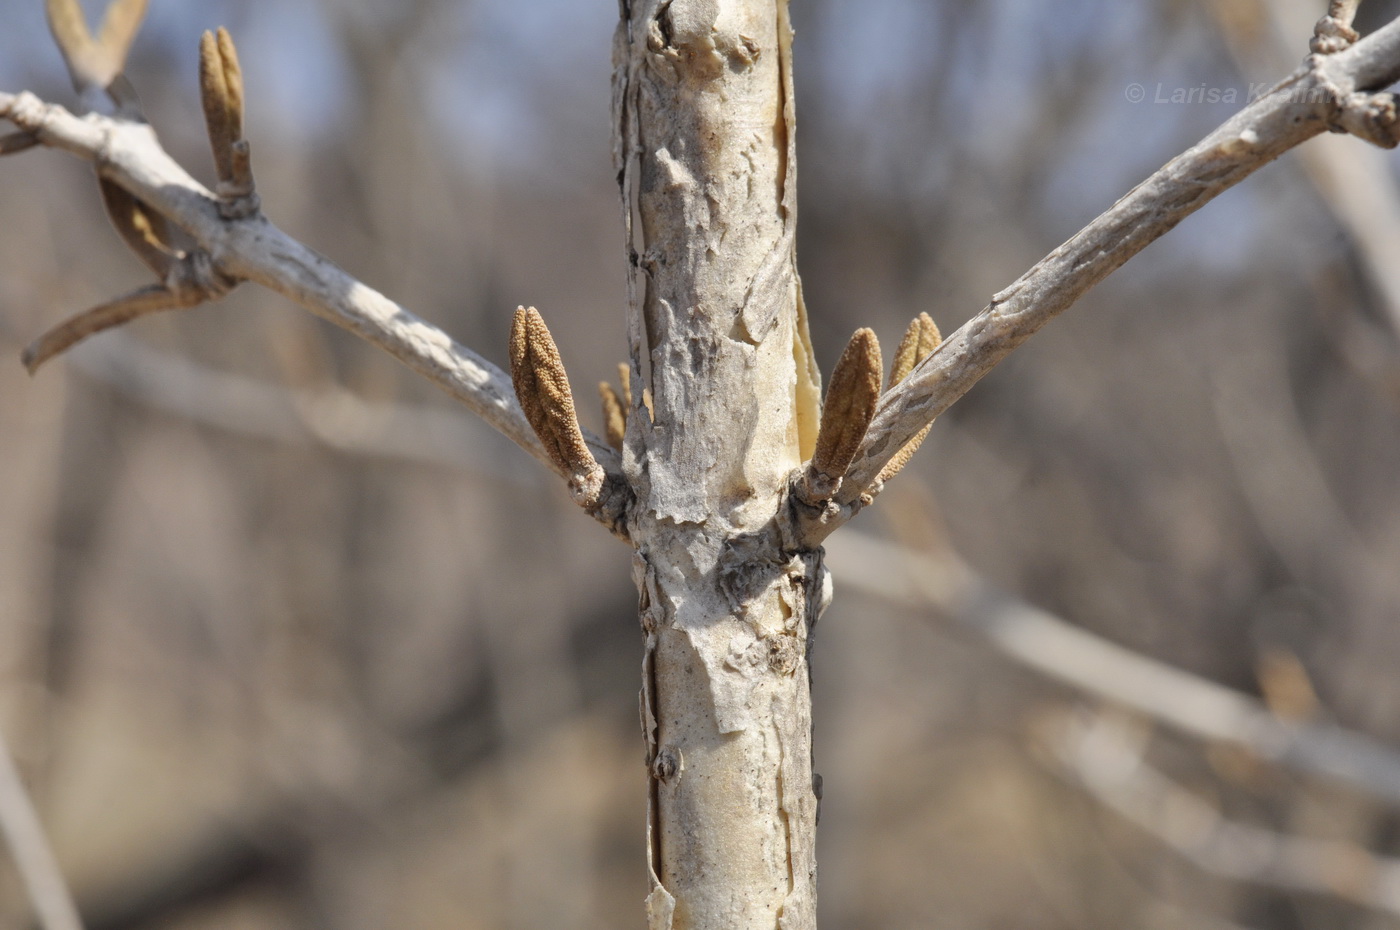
(251, 248)
(1330, 92)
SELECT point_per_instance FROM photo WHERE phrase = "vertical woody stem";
(705, 123)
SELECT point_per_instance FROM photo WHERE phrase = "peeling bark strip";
(707, 167)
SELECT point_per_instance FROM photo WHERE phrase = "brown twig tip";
(921, 338)
(850, 405)
(542, 387)
(918, 343)
(70, 332)
(221, 94)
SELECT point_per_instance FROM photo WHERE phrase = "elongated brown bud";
(920, 339)
(614, 415)
(542, 386)
(624, 384)
(95, 64)
(221, 94)
(850, 405)
(119, 28)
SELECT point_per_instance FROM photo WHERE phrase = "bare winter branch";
(129, 154)
(1330, 92)
(19, 823)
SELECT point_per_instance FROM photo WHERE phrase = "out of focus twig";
(1096, 666)
(53, 904)
(1107, 760)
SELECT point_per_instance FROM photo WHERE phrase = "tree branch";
(1089, 663)
(19, 824)
(1106, 759)
(128, 154)
(1329, 92)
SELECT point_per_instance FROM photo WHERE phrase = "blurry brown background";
(276, 654)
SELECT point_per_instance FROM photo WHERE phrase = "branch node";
(1372, 117)
(1333, 32)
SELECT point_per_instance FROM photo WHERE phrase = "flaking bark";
(706, 145)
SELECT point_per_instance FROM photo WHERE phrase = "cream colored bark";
(705, 118)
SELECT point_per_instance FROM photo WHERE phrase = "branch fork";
(187, 277)
(1333, 32)
(851, 401)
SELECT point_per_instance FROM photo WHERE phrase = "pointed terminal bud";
(850, 405)
(919, 341)
(542, 386)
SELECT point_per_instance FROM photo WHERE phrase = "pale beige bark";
(705, 121)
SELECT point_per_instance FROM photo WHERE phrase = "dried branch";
(1329, 92)
(850, 403)
(1089, 663)
(187, 278)
(1106, 759)
(129, 154)
(53, 903)
(146, 300)
(542, 386)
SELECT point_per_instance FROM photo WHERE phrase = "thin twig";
(48, 892)
(1089, 663)
(1106, 759)
(141, 302)
(254, 249)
